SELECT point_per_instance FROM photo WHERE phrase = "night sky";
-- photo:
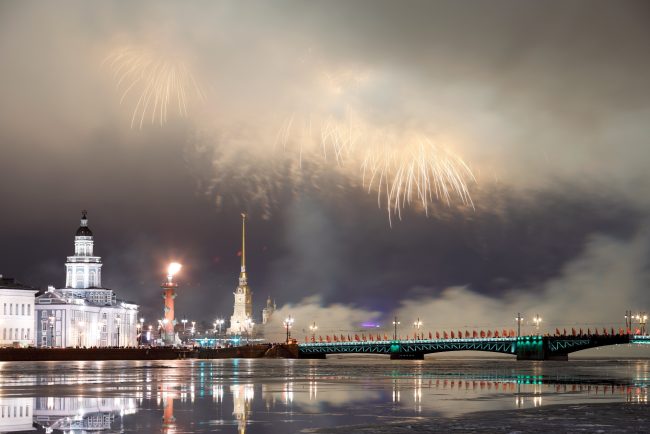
(547, 102)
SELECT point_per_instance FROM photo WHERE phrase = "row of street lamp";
(288, 322)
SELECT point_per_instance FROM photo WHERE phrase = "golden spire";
(243, 245)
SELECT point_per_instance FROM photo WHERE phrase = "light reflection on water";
(259, 396)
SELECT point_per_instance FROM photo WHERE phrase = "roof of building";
(11, 283)
(84, 230)
(58, 296)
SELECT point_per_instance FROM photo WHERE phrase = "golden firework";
(154, 84)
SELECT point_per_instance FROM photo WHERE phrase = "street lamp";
(249, 327)
(51, 321)
(117, 317)
(218, 323)
(140, 331)
(184, 321)
(313, 327)
(537, 319)
(161, 325)
(642, 318)
(395, 323)
(288, 322)
(80, 324)
(628, 321)
(417, 324)
(519, 319)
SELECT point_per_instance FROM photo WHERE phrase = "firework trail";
(419, 171)
(330, 137)
(157, 83)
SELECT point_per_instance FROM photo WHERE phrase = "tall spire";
(242, 274)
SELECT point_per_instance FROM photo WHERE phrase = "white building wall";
(16, 414)
(17, 317)
(85, 325)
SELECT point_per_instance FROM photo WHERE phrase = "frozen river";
(265, 396)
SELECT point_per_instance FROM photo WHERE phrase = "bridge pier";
(407, 356)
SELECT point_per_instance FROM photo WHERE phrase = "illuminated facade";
(16, 313)
(84, 313)
(241, 321)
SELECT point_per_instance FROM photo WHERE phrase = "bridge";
(523, 347)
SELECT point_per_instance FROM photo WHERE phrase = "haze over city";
(546, 104)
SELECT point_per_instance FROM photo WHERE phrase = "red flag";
(363, 337)
(612, 330)
(620, 331)
(474, 334)
(467, 333)
(445, 335)
(505, 333)
(581, 331)
(437, 335)
(557, 331)
(604, 331)
(349, 339)
(637, 332)
(306, 339)
(588, 331)
(512, 333)
(482, 334)
(452, 334)
(573, 331)
(429, 335)
(496, 333)
(489, 334)
(378, 337)
(460, 334)
(564, 333)
(385, 337)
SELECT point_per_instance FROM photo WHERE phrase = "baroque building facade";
(84, 313)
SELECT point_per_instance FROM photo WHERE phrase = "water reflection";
(268, 396)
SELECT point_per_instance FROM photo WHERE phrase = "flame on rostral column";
(173, 269)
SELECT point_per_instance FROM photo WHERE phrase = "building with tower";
(241, 321)
(267, 312)
(84, 313)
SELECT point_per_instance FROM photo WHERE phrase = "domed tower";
(83, 270)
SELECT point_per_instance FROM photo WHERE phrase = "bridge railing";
(408, 341)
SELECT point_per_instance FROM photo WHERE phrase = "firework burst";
(154, 84)
(418, 172)
(329, 137)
